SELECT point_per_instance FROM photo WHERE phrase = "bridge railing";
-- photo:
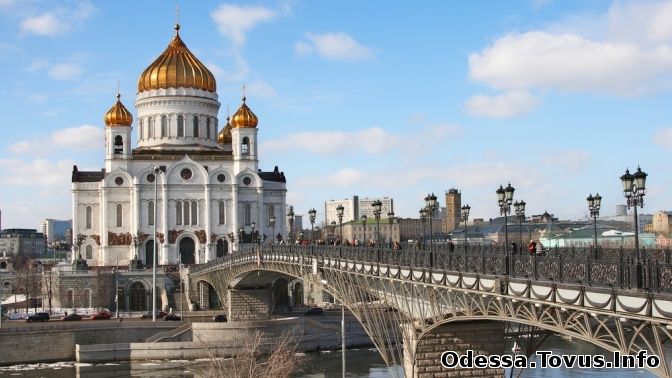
(602, 267)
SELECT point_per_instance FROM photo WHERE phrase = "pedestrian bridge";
(414, 304)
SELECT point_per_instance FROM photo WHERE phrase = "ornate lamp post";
(311, 216)
(339, 214)
(290, 223)
(390, 220)
(504, 200)
(254, 238)
(430, 204)
(594, 204)
(364, 219)
(423, 218)
(465, 217)
(240, 238)
(377, 206)
(634, 189)
(271, 222)
(231, 240)
(520, 214)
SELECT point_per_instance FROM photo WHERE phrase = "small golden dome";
(177, 67)
(118, 115)
(244, 117)
(224, 136)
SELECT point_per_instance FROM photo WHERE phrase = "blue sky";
(378, 99)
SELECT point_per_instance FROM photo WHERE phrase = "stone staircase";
(176, 297)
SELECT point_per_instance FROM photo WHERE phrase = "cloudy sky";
(557, 97)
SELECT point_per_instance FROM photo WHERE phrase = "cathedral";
(194, 191)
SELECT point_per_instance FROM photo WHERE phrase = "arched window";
(194, 212)
(89, 252)
(120, 215)
(221, 212)
(70, 299)
(164, 126)
(207, 127)
(118, 144)
(271, 213)
(180, 125)
(151, 127)
(88, 217)
(195, 126)
(87, 298)
(245, 147)
(150, 213)
(248, 214)
(178, 213)
(186, 213)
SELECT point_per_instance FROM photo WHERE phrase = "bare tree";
(102, 286)
(48, 286)
(258, 356)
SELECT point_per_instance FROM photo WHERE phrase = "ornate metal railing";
(616, 268)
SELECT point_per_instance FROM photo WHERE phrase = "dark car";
(39, 317)
(148, 315)
(219, 318)
(101, 315)
(314, 311)
(172, 317)
(72, 317)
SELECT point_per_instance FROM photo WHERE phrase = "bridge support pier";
(422, 356)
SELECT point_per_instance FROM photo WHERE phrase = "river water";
(361, 363)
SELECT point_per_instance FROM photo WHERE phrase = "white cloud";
(38, 65)
(373, 140)
(58, 21)
(260, 88)
(333, 46)
(85, 137)
(626, 51)
(65, 71)
(509, 104)
(573, 161)
(663, 138)
(235, 21)
(36, 172)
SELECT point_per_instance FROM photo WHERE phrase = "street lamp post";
(339, 214)
(271, 222)
(465, 217)
(240, 237)
(430, 204)
(377, 206)
(364, 220)
(504, 200)
(634, 189)
(594, 204)
(254, 238)
(423, 218)
(520, 214)
(231, 240)
(290, 223)
(311, 216)
(157, 171)
(390, 220)
(333, 231)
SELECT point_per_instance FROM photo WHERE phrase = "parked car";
(219, 318)
(148, 315)
(172, 317)
(38, 317)
(72, 317)
(101, 315)
(314, 311)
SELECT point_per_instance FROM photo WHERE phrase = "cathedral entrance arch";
(187, 250)
(137, 297)
(222, 247)
(149, 253)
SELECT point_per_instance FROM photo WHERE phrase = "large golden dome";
(118, 115)
(244, 117)
(224, 136)
(177, 67)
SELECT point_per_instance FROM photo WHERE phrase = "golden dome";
(177, 67)
(244, 117)
(224, 136)
(118, 115)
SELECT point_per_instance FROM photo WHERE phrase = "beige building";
(453, 210)
(661, 223)
(367, 231)
(412, 228)
(355, 207)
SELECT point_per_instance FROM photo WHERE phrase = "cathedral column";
(208, 225)
(234, 214)
(75, 222)
(163, 252)
(263, 225)
(103, 226)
